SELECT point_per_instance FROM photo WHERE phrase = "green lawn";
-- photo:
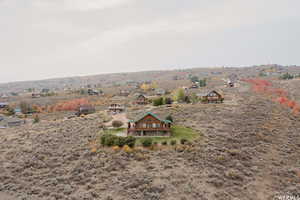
(178, 133)
(114, 131)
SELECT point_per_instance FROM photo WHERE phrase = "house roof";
(203, 94)
(141, 95)
(153, 115)
(86, 107)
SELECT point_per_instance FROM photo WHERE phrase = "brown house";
(116, 108)
(149, 125)
(4, 105)
(35, 95)
(211, 97)
(141, 100)
(124, 93)
(85, 110)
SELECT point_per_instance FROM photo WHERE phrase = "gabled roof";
(214, 91)
(207, 93)
(153, 115)
(141, 95)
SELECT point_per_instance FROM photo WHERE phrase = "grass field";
(114, 131)
(178, 133)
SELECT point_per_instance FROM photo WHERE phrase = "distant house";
(230, 83)
(45, 90)
(85, 110)
(124, 93)
(160, 91)
(14, 94)
(3, 105)
(216, 73)
(142, 100)
(149, 124)
(116, 108)
(35, 95)
(211, 97)
(92, 92)
(4, 96)
(195, 85)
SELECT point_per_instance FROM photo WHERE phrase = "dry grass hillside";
(248, 149)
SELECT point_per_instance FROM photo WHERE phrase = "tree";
(168, 100)
(147, 142)
(82, 91)
(170, 118)
(202, 83)
(145, 87)
(194, 98)
(187, 99)
(262, 74)
(179, 95)
(130, 141)
(26, 108)
(154, 85)
(30, 89)
(158, 101)
(71, 105)
(194, 79)
(287, 76)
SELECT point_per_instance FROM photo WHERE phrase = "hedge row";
(147, 142)
(113, 140)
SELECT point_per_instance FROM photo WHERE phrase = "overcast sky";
(57, 38)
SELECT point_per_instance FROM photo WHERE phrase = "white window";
(153, 125)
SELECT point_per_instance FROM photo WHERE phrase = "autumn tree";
(179, 95)
(145, 87)
(71, 105)
(26, 108)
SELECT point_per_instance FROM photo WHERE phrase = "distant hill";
(106, 80)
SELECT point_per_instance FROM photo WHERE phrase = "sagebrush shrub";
(147, 142)
(112, 140)
(117, 124)
(36, 119)
(120, 141)
(108, 140)
(130, 141)
(183, 141)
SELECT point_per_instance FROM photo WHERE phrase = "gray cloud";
(78, 5)
(49, 38)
